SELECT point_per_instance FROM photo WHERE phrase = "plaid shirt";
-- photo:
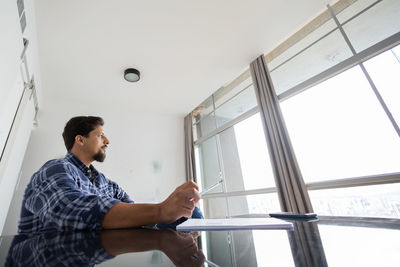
(65, 194)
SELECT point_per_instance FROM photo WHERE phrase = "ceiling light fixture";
(132, 75)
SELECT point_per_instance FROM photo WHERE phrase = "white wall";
(146, 154)
(11, 46)
(137, 141)
(11, 89)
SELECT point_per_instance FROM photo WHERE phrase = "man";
(70, 194)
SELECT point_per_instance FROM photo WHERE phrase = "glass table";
(330, 241)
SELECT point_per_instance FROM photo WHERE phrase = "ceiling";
(185, 50)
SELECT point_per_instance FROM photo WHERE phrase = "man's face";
(96, 144)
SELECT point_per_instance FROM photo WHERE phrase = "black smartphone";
(291, 215)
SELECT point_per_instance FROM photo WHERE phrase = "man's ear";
(79, 140)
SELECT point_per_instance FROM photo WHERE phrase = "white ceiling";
(185, 50)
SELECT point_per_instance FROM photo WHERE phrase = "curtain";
(292, 192)
(189, 149)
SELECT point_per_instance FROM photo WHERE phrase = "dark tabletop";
(326, 242)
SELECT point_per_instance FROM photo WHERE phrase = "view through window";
(342, 125)
(339, 130)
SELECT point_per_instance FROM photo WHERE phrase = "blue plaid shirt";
(65, 195)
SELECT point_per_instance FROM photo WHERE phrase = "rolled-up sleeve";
(59, 202)
(120, 194)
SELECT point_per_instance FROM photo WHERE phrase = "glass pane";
(245, 156)
(238, 206)
(239, 104)
(225, 93)
(253, 204)
(365, 201)
(203, 110)
(338, 129)
(195, 132)
(324, 54)
(384, 70)
(302, 44)
(355, 7)
(215, 207)
(209, 164)
(222, 207)
(203, 119)
(205, 126)
(197, 165)
(374, 25)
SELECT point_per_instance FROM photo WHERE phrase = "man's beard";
(99, 156)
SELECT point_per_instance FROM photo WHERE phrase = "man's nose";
(106, 141)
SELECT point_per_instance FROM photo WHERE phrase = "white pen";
(209, 188)
(210, 263)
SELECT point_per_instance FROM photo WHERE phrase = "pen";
(210, 263)
(209, 188)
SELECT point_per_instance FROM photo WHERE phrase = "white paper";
(234, 224)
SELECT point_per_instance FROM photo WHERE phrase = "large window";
(338, 86)
(343, 121)
(340, 130)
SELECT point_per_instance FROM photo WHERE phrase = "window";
(339, 130)
(365, 201)
(234, 149)
(343, 122)
(337, 83)
(239, 154)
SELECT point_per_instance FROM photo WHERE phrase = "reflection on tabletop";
(331, 241)
(90, 248)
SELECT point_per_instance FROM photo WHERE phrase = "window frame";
(355, 59)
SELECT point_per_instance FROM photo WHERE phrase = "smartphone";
(291, 215)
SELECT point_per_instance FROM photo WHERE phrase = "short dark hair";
(81, 125)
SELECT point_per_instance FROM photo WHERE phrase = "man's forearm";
(178, 204)
(126, 215)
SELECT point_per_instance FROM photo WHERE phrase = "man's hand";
(180, 203)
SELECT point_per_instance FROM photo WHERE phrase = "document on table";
(234, 224)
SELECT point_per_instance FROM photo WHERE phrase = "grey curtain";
(189, 149)
(292, 192)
